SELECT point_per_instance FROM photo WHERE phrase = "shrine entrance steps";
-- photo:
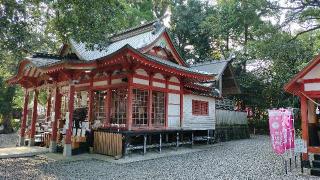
(18, 152)
(315, 167)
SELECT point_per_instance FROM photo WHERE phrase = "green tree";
(192, 41)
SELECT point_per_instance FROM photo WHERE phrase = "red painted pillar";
(90, 105)
(181, 105)
(129, 103)
(71, 109)
(304, 123)
(67, 151)
(48, 112)
(150, 102)
(57, 116)
(34, 117)
(24, 118)
(108, 104)
(166, 102)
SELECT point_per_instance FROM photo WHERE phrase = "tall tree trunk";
(7, 126)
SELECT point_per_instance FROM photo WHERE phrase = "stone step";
(316, 164)
(315, 171)
(316, 157)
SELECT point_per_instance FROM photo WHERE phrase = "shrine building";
(135, 90)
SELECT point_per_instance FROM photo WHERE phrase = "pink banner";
(281, 130)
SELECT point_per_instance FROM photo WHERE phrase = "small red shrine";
(306, 85)
(138, 83)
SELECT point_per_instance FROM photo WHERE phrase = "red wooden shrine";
(306, 85)
(129, 85)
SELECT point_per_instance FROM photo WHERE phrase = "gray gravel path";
(242, 159)
(8, 140)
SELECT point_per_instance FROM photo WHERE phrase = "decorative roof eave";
(14, 79)
(107, 60)
(64, 64)
(163, 67)
(172, 46)
(293, 86)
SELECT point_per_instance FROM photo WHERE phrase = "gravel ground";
(8, 140)
(242, 159)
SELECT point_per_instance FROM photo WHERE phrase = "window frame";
(200, 108)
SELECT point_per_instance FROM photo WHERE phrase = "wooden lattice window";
(99, 105)
(158, 108)
(200, 107)
(81, 99)
(140, 107)
(119, 106)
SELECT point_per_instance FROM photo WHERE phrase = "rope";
(310, 99)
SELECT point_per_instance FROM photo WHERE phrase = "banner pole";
(301, 165)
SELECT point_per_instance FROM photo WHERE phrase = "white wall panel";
(158, 84)
(197, 122)
(312, 86)
(140, 81)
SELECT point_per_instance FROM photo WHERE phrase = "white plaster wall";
(314, 73)
(116, 81)
(158, 76)
(100, 83)
(173, 87)
(174, 79)
(158, 84)
(198, 122)
(173, 110)
(312, 86)
(141, 72)
(140, 81)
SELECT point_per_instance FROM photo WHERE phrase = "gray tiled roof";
(41, 62)
(138, 41)
(174, 65)
(214, 67)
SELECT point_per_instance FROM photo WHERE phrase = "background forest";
(270, 40)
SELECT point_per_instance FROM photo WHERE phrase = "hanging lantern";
(317, 110)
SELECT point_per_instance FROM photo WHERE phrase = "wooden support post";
(160, 142)
(56, 117)
(34, 117)
(150, 102)
(24, 118)
(177, 145)
(48, 112)
(208, 137)
(108, 103)
(304, 123)
(181, 105)
(192, 139)
(144, 144)
(129, 103)
(90, 105)
(126, 145)
(67, 151)
(166, 103)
